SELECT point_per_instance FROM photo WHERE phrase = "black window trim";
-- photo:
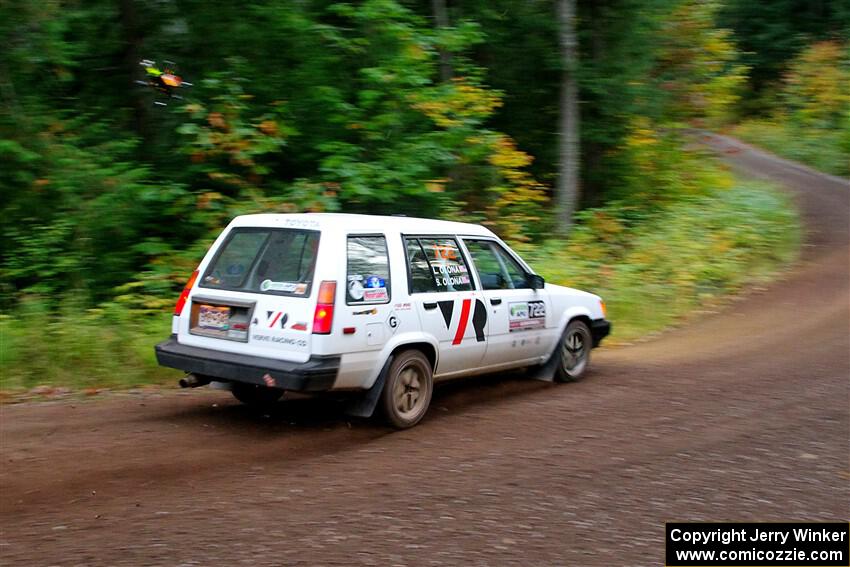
(389, 266)
(237, 229)
(460, 248)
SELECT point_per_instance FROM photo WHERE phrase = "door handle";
(495, 301)
(430, 306)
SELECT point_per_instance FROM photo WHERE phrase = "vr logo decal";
(464, 319)
(479, 320)
(478, 316)
(447, 308)
(277, 316)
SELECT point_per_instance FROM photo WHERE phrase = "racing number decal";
(536, 309)
(479, 318)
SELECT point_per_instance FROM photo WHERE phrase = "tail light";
(181, 301)
(324, 317)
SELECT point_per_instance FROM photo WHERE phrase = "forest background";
(564, 125)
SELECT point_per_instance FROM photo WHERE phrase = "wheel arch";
(575, 313)
(421, 341)
(426, 348)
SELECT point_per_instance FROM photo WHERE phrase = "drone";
(164, 81)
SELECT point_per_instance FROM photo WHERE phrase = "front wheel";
(407, 391)
(255, 395)
(575, 352)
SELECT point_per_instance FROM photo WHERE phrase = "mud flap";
(364, 405)
(546, 371)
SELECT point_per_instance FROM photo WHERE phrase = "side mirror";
(535, 281)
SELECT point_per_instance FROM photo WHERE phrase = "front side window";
(436, 264)
(368, 276)
(265, 260)
(496, 268)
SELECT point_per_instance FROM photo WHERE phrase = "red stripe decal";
(464, 317)
(276, 317)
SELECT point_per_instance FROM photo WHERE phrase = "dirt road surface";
(744, 415)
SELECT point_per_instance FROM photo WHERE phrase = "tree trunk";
(567, 194)
(441, 19)
(133, 38)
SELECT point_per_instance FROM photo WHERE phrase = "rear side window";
(436, 264)
(368, 275)
(265, 260)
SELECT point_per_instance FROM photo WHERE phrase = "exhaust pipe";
(193, 381)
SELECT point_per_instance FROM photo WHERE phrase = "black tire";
(574, 352)
(255, 395)
(407, 391)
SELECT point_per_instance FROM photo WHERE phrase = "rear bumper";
(316, 375)
(599, 329)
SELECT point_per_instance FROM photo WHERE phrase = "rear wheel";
(255, 395)
(408, 389)
(575, 352)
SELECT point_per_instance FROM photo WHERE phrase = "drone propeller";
(164, 80)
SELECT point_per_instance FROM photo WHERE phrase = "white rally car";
(379, 306)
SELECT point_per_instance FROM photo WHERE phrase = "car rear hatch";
(254, 296)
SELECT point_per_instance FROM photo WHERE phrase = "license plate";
(214, 317)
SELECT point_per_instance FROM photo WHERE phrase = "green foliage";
(69, 203)
(824, 150)
(111, 201)
(698, 65)
(660, 171)
(653, 272)
(414, 145)
(68, 345)
(811, 118)
(770, 33)
(815, 93)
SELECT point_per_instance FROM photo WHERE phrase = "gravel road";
(743, 415)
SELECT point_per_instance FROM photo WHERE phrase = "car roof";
(361, 223)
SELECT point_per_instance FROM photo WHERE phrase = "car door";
(518, 315)
(449, 307)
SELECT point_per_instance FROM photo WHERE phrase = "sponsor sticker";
(355, 290)
(377, 294)
(287, 341)
(301, 223)
(519, 311)
(527, 316)
(288, 287)
(214, 317)
(393, 322)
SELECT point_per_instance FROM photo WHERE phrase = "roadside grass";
(686, 258)
(823, 149)
(70, 347)
(652, 270)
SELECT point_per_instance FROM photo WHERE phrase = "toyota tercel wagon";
(381, 307)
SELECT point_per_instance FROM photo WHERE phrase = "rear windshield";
(265, 260)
